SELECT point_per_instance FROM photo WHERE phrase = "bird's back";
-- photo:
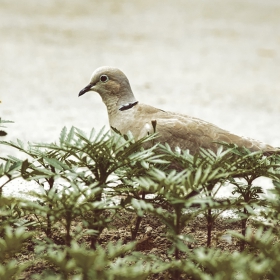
(181, 130)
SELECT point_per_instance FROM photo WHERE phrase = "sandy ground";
(216, 60)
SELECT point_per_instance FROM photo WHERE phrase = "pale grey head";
(112, 85)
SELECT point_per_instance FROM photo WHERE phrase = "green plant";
(87, 182)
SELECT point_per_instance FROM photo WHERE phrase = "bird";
(126, 114)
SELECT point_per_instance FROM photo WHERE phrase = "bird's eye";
(104, 78)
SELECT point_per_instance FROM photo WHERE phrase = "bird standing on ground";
(127, 114)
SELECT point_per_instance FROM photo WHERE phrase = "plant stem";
(50, 181)
(136, 228)
(243, 229)
(68, 225)
(178, 213)
(137, 224)
(209, 219)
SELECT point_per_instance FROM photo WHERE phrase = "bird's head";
(112, 85)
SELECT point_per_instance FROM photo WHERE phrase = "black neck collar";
(128, 106)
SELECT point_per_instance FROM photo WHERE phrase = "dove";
(126, 114)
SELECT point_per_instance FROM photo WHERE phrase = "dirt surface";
(151, 239)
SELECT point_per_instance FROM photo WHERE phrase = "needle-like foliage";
(85, 181)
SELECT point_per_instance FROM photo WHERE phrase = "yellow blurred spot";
(266, 52)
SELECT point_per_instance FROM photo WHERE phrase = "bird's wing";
(187, 132)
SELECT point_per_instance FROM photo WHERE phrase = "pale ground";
(216, 60)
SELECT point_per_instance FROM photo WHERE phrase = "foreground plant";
(87, 181)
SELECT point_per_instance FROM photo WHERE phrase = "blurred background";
(215, 60)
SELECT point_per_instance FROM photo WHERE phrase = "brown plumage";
(126, 114)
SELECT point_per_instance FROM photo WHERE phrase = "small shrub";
(86, 182)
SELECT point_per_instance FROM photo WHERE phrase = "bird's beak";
(86, 89)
